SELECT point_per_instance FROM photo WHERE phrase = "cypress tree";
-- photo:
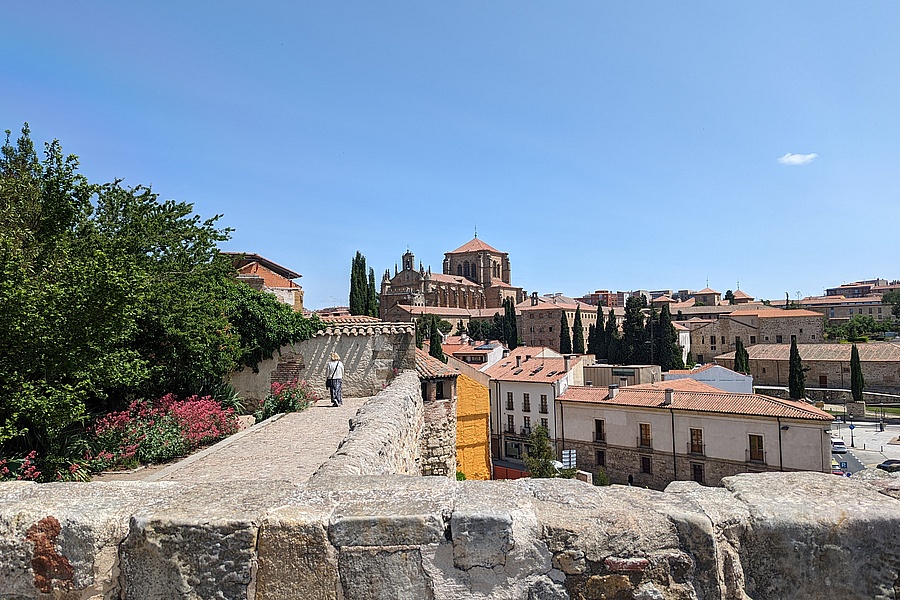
(577, 333)
(741, 358)
(632, 347)
(459, 328)
(371, 295)
(611, 337)
(592, 340)
(601, 344)
(796, 375)
(565, 338)
(436, 350)
(511, 327)
(667, 346)
(358, 285)
(857, 381)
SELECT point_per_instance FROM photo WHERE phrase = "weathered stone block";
(388, 573)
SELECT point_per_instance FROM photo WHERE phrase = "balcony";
(645, 442)
(756, 456)
(696, 449)
(543, 409)
(526, 407)
(510, 429)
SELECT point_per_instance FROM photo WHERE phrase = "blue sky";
(603, 145)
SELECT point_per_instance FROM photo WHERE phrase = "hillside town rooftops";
(523, 365)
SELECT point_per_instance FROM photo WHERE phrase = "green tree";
(741, 357)
(435, 348)
(613, 341)
(359, 286)
(565, 337)
(600, 345)
(633, 332)
(577, 333)
(893, 298)
(371, 295)
(729, 295)
(540, 456)
(857, 381)
(460, 329)
(796, 374)
(667, 349)
(510, 326)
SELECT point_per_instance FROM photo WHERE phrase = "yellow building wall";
(473, 412)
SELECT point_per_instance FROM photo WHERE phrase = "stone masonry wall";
(372, 355)
(438, 442)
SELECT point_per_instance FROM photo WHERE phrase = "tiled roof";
(871, 352)
(239, 259)
(796, 312)
(428, 367)
(475, 245)
(477, 313)
(697, 401)
(813, 300)
(681, 385)
(740, 294)
(679, 327)
(348, 319)
(535, 369)
(453, 279)
(660, 299)
(706, 291)
(366, 328)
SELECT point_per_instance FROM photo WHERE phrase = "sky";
(621, 146)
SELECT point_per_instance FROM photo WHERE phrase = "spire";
(476, 231)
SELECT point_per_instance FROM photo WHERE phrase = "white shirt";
(334, 370)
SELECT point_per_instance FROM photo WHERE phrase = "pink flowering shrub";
(20, 469)
(159, 431)
(292, 396)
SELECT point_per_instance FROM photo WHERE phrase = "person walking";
(334, 374)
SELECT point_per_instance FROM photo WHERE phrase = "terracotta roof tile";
(428, 367)
(740, 294)
(535, 369)
(475, 245)
(706, 291)
(871, 352)
(697, 401)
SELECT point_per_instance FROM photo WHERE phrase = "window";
(645, 465)
(696, 441)
(812, 337)
(599, 430)
(644, 440)
(425, 390)
(763, 369)
(697, 473)
(601, 458)
(526, 428)
(439, 390)
(767, 338)
(778, 339)
(723, 339)
(526, 403)
(550, 329)
(879, 310)
(544, 404)
(509, 401)
(513, 450)
(545, 424)
(510, 424)
(870, 310)
(752, 339)
(756, 452)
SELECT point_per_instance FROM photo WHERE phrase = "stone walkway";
(289, 448)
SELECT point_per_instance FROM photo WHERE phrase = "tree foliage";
(741, 357)
(857, 381)
(668, 353)
(435, 349)
(109, 294)
(565, 336)
(540, 456)
(613, 338)
(510, 326)
(577, 333)
(796, 374)
(632, 349)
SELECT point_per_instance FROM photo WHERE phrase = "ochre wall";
(473, 411)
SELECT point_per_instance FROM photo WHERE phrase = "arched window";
(466, 268)
(459, 268)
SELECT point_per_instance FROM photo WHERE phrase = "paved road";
(870, 445)
(289, 448)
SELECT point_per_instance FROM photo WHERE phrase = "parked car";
(838, 446)
(892, 465)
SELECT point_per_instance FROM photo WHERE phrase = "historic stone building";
(475, 277)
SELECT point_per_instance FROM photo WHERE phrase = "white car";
(838, 446)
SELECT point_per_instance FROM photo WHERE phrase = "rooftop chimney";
(518, 361)
(670, 394)
(613, 390)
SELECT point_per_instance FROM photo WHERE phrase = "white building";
(653, 434)
(523, 388)
(715, 375)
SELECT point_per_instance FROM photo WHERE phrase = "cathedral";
(474, 283)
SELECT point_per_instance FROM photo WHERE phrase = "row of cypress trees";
(363, 295)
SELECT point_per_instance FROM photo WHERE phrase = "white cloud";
(797, 159)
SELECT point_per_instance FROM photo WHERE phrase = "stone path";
(289, 448)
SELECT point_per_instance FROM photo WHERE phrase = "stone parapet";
(772, 535)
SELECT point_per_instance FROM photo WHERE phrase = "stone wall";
(438, 441)
(766, 536)
(372, 354)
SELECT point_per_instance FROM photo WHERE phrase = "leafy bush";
(293, 396)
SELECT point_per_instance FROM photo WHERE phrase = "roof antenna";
(476, 231)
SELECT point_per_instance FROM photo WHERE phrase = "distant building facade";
(265, 275)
